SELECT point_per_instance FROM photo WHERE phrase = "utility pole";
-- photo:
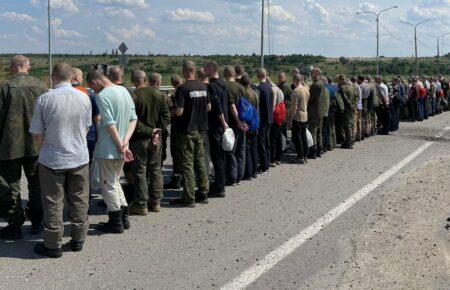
(415, 41)
(49, 46)
(377, 15)
(262, 34)
(438, 56)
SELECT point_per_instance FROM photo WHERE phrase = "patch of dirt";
(407, 242)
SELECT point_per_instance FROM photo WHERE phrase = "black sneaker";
(202, 200)
(11, 232)
(42, 250)
(217, 194)
(182, 203)
(76, 246)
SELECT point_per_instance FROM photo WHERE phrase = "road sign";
(123, 48)
(123, 59)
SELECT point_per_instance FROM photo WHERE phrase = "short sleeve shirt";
(62, 116)
(116, 108)
(193, 97)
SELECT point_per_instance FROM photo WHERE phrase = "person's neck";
(263, 80)
(215, 76)
(140, 85)
(156, 87)
(20, 72)
(230, 79)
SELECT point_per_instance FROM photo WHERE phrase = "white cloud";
(366, 6)
(134, 32)
(317, 10)
(189, 15)
(14, 16)
(119, 12)
(36, 29)
(135, 3)
(62, 32)
(152, 20)
(280, 14)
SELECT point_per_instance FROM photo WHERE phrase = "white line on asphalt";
(273, 258)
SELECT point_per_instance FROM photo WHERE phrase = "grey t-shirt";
(63, 117)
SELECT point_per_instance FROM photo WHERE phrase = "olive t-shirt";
(193, 97)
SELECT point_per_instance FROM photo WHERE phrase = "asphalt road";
(211, 245)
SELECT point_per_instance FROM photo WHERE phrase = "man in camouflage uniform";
(285, 87)
(18, 149)
(316, 112)
(349, 95)
(153, 117)
(373, 103)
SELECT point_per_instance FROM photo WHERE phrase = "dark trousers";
(384, 118)
(264, 147)
(327, 134)
(251, 164)
(236, 161)
(299, 138)
(57, 184)
(347, 126)
(413, 110)
(218, 160)
(10, 198)
(395, 116)
(276, 143)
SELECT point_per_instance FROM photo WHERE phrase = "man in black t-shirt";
(218, 118)
(191, 106)
(266, 107)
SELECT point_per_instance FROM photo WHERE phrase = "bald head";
(297, 80)
(62, 72)
(261, 74)
(315, 73)
(116, 75)
(97, 81)
(295, 71)
(155, 80)
(282, 78)
(20, 64)
(77, 76)
(138, 78)
(176, 81)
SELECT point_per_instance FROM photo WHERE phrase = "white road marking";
(273, 258)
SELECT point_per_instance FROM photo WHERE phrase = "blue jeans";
(421, 107)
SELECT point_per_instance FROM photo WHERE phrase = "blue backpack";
(253, 126)
(246, 111)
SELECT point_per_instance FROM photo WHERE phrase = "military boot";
(154, 206)
(35, 216)
(114, 224)
(126, 217)
(175, 183)
(11, 232)
(137, 209)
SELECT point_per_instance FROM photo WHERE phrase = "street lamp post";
(415, 40)
(438, 55)
(262, 34)
(377, 15)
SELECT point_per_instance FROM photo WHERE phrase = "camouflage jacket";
(17, 98)
(316, 91)
(348, 94)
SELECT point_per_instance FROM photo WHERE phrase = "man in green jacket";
(349, 95)
(18, 149)
(316, 112)
(153, 118)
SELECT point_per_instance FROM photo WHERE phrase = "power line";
(393, 35)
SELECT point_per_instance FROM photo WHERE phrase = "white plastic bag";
(94, 177)
(310, 138)
(228, 140)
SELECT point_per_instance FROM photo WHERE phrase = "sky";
(325, 27)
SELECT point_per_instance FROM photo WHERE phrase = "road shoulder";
(406, 244)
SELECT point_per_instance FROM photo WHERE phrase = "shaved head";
(116, 75)
(19, 64)
(77, 75)
(155, 79)
(138, 76)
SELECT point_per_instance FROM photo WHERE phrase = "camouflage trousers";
(357, 124)
(347, 126)
(192, 162)
(10, 197)
(145, 173)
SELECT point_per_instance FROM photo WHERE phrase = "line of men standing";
(124, 130)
